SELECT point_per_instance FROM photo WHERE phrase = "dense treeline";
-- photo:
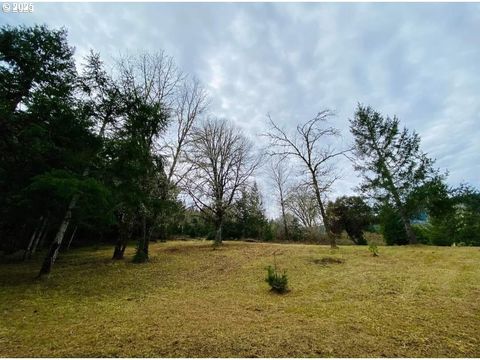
(134, 155)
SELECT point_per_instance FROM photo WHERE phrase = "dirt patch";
(328, 261)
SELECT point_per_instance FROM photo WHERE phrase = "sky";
(420, 62)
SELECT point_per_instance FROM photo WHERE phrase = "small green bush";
(278, 282)
(373, 249)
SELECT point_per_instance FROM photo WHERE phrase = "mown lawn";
(192, 301)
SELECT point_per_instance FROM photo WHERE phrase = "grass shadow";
(328, 260)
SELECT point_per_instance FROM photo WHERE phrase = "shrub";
(278, 282)
(373, 249)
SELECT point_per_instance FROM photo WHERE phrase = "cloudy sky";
(420, 62)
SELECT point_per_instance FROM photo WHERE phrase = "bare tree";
(156, 78)
(191, 103)
(279, 174)
(153, 77)
(221, 162)
(303, 205)
(308, 144)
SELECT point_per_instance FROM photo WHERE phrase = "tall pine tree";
(390, 161)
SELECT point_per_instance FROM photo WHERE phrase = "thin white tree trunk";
(57, 242)
(71, 237)
(55, 247)
(35, 235)
(41, 237)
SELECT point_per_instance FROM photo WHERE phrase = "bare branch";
(309, 145)
(221, 162)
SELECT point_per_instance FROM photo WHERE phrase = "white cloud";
(418, 61)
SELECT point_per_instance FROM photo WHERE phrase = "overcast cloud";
(420, 62)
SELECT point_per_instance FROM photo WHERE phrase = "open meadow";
(192, 301)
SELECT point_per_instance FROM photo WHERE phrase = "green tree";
(146, 84)
(350, 214)
(247, 217)
(98, 106)
(392, 226)
(48, 135)
(390, 161)
(454, 215)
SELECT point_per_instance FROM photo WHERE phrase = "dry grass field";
(193, 301)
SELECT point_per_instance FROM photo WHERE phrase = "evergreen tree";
(247, 218)
(390, 161)
(350, 214)
(47, 135)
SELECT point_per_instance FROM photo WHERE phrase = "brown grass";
(192, 301)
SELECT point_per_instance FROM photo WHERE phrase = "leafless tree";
(309, 145)
(221, 162)
(190, 104)
(156, 78)
(153, 77)
(302, 203)
(279, 173)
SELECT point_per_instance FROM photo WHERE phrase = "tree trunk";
(146, 240)
(57, 242)
(36, 234)
(41, 237)
(162, 230)
(150, 234)
(412, 238)
(40, 240)
(326, 224)
(124, 234)
(121, 245)
(119, 250)
(71, 237)
(142, 247)
(55, 247)
(285, 225)
(218, 232)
